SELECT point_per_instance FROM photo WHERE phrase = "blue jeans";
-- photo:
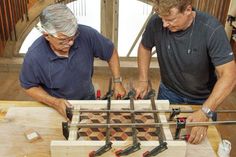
(174, 98)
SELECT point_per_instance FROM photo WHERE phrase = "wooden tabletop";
(42, 148)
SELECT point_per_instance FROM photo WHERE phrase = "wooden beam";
(109, 19)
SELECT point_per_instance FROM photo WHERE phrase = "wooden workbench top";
(25, 115)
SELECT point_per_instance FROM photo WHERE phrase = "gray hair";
(58, 18)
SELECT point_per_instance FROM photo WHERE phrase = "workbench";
(25, 115)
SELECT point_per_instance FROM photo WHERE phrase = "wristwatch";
(208, 112)
(117, 80)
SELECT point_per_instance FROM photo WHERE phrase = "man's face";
(61, 42)
(177, 21)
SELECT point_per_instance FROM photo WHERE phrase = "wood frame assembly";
(74, 148)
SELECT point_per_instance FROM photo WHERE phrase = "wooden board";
(47, 122)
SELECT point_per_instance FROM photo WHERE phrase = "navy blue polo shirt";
(65, 77)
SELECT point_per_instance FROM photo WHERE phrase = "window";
(86, 11)
(132, 15)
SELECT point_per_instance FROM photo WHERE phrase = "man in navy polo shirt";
(191, 47)
(59, 65)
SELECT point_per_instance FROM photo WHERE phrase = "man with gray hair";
(59, 65)
(191, 47)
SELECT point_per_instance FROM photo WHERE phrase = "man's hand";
(119, 90)
(60, 105)
(198, 133)
(141, 89)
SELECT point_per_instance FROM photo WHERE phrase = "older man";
(59, 65)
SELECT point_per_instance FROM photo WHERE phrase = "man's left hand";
(198, 133)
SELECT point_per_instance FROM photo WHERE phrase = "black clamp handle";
(162, 147)
(128, 150)
(101, 150)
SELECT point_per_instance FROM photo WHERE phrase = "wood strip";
(2, 23)
(73, 130)
(17, 10)
(6, 23)
(9, 16)
(21, 10)
(13, 19)
(14, 11)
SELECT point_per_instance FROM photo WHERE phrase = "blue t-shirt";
(69, 78)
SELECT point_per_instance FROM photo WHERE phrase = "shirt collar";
(73, 48)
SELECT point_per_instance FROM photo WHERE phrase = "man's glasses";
(65, 41)
(60, 41)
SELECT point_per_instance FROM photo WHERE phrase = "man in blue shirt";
(191, 47)
(59, 65)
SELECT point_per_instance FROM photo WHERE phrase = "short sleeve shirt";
(65, 77)
(188, 58)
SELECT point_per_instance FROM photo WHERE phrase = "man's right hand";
(60, 105)
(141, 89)
(41, 95)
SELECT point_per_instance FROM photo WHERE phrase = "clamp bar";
(147, 111)
(108, 144)
(139, 125)
(136, 145)
(159, 130)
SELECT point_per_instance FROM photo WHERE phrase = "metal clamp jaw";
(181, 123)
(175, 112)
(231, 19)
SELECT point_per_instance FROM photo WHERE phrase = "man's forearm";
(114, 64)
(39, 94)
(223, 87)
(144, 57)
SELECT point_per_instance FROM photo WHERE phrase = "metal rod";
(146, 111)
(108, 114)
(108, 143)
(135, 140)
(159, 130)
(136, 145)
(138, 125)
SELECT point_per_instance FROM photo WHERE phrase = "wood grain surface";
(47, 122)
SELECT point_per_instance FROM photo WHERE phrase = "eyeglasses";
(65, 41)
(60, 41)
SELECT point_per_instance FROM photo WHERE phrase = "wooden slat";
(217, 8)
(13, 19)
(6, 21)
(9, 16)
